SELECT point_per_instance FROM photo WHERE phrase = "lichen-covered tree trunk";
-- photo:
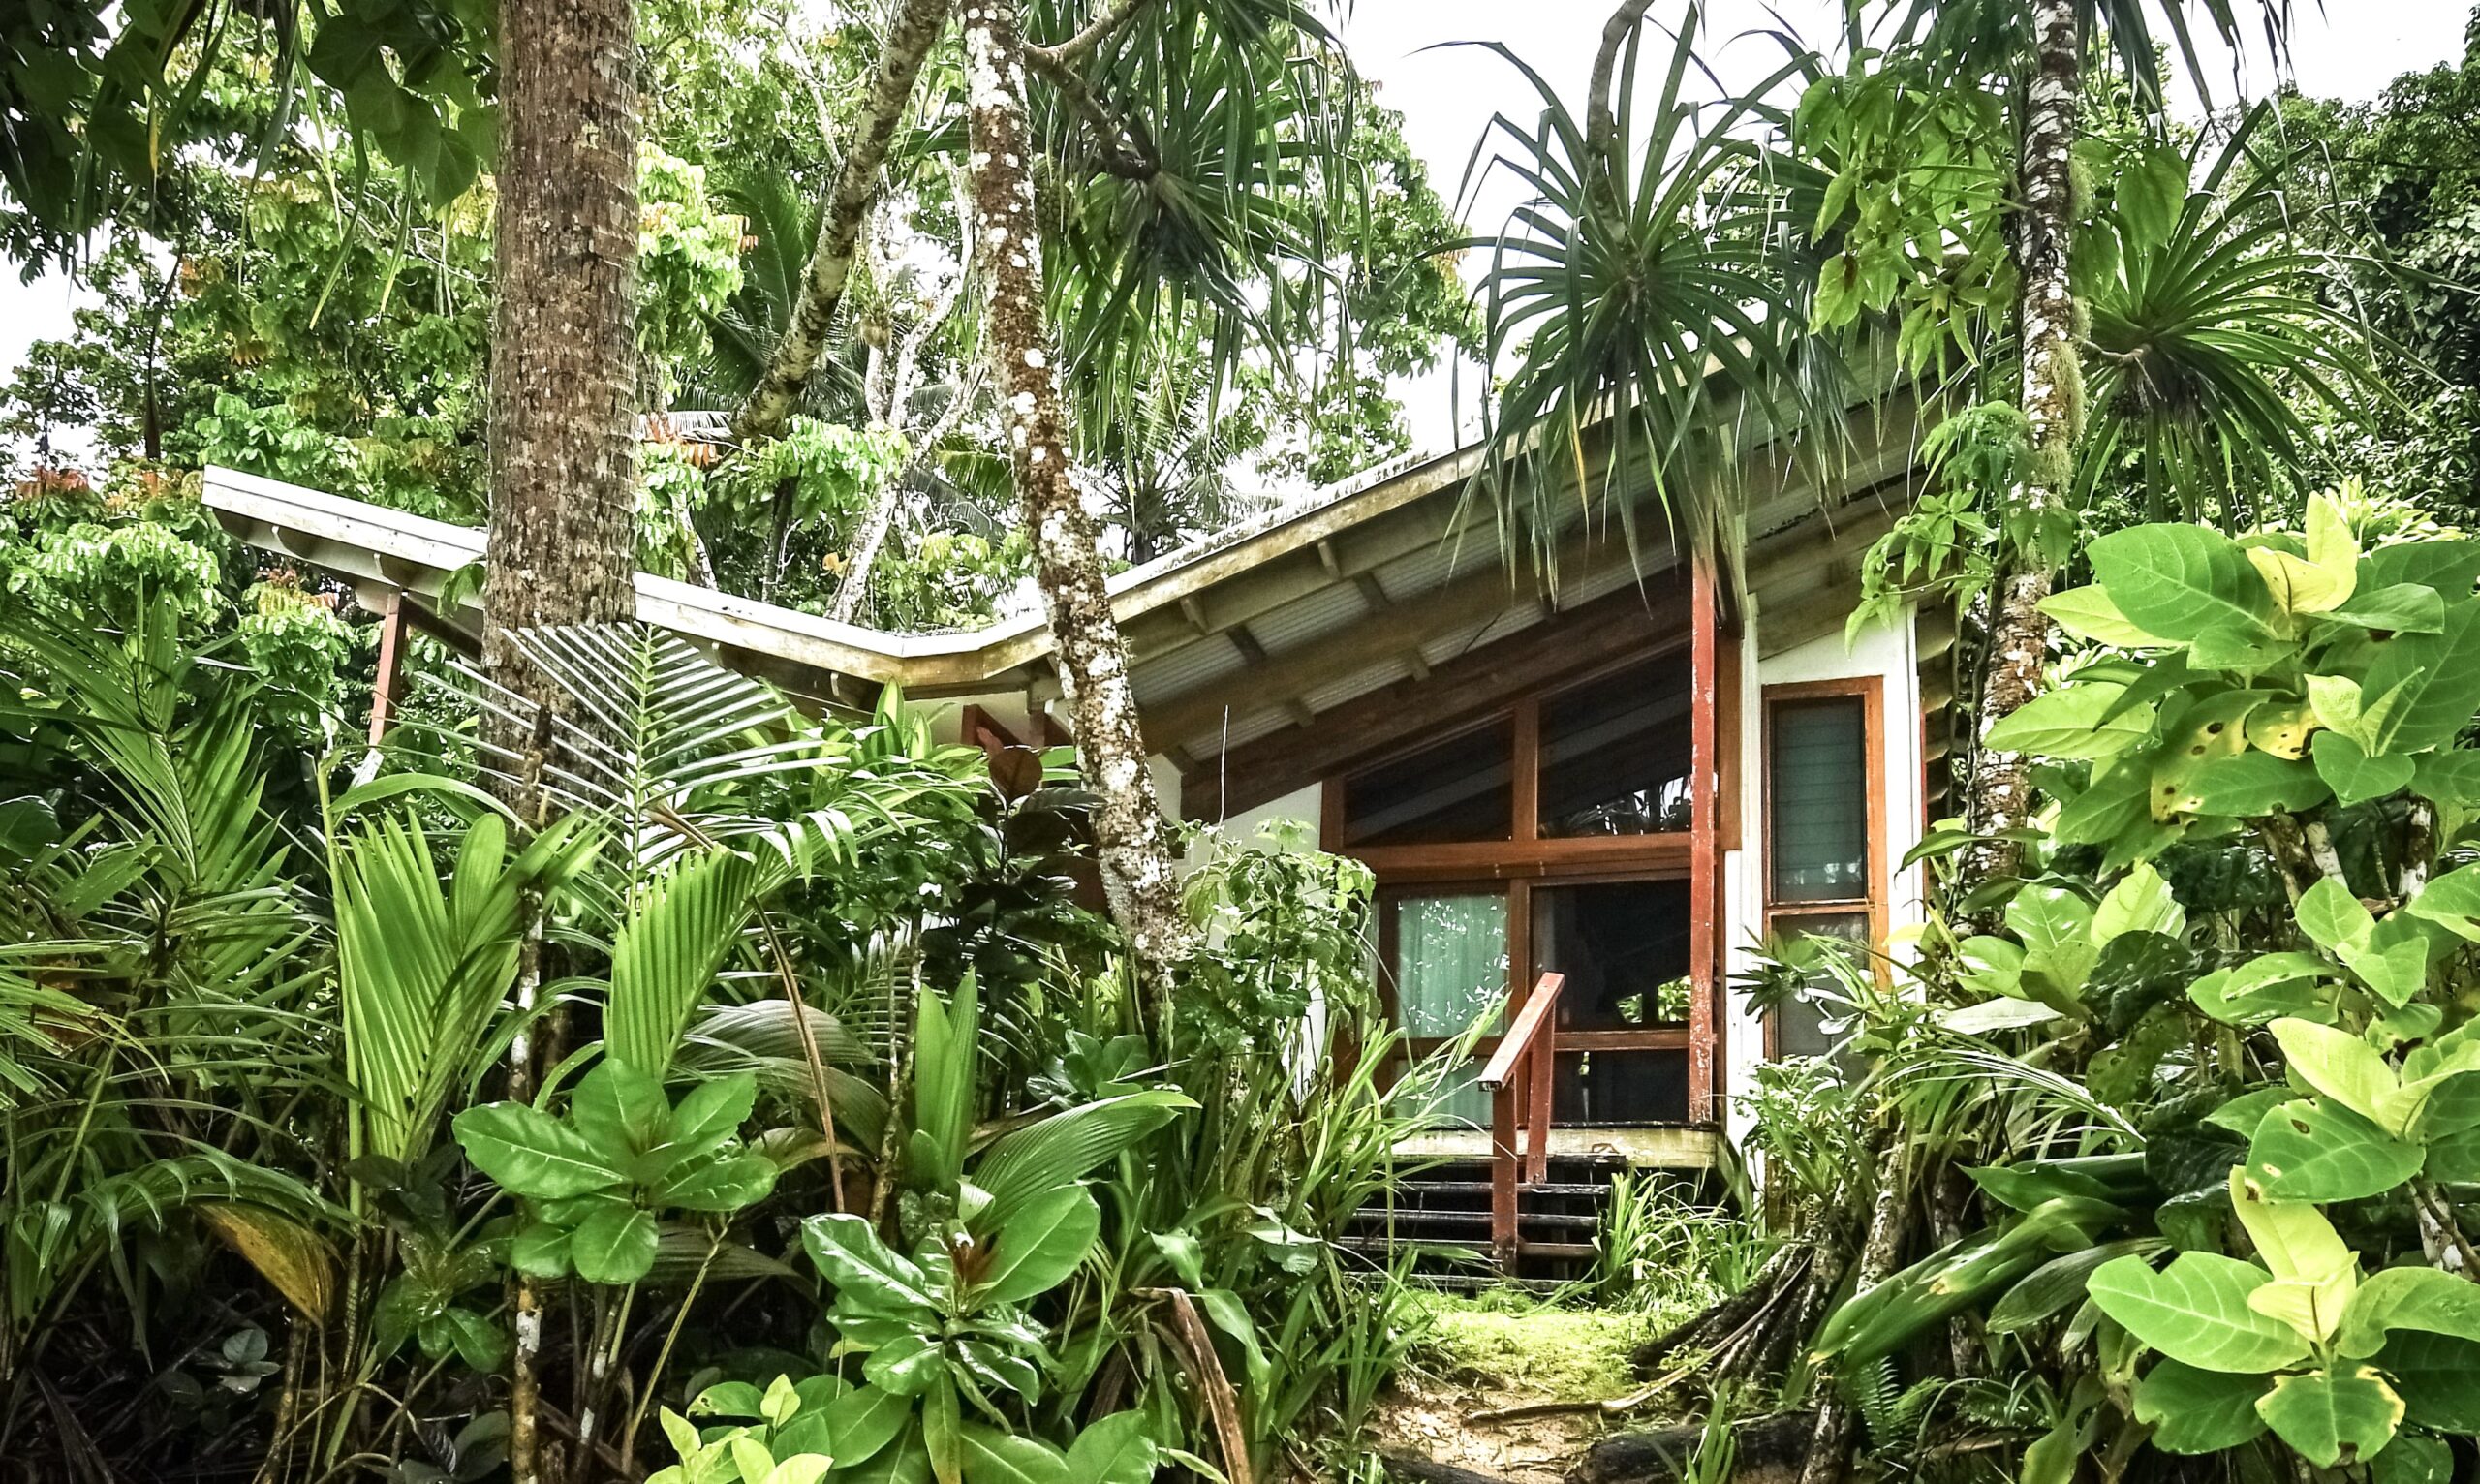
(1130, 834)
(1999, 796)
(563, 394)
(915, 26)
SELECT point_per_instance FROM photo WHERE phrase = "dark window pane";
(1614, 754)
(1817, 783)
(1620, 1087)
(1623, 946)
(1461, 789)
(1800, 1025)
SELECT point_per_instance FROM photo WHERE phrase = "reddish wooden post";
(1524, 1052)
(1502, 1176)
(1704, 868)
(392, 658)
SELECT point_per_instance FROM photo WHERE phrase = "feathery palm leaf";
(2205, 317)
(1652, 324)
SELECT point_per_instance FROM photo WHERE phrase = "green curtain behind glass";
(1450, 969)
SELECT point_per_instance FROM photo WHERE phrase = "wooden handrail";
(1528, 1054)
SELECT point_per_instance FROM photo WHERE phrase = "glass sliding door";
(1623, 1014)
(1449, 963)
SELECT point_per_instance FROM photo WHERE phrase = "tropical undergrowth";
(845, 1146)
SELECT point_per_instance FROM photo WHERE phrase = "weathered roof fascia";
(402, 549)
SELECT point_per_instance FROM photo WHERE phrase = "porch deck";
(1648, 1146)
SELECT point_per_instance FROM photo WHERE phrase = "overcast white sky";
(2349, 48)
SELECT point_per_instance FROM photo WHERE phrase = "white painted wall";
(1888, 651)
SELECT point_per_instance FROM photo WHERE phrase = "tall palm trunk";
(1999, 796)
(1128, 830)
(563, 438)
(915, 26)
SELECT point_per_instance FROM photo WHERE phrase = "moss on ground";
(1507, 1340)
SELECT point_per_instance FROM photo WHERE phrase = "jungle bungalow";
(1586, 803)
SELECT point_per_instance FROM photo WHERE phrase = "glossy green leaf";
(2253, 784)
(1040, 1244)
(2414, 1458)
(2341, 1067)
(1117, 1449)
(994, 1457)
(621, 1111)
(2088, 612)
(2332, 1416)
(2406, 607)
(2434, 680)
(530, 1152)
(733, 1183)
(2195, 1312)
(2074, 720)
(2353, 775)
(2198, 1411)
(2451, 776)
(2179, 581)
(849, 1253)
(616, 1245)
(2333, 918)
(2307, 1151)
(2422, 1299)
(863, 1421)
(2436, 1377)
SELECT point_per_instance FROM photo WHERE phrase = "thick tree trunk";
(909, 36)
(563, 426)
(1999, 796)
(1130, 834)
(563, 433)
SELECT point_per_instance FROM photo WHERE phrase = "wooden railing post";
(1704, 869)
(1521, 1073)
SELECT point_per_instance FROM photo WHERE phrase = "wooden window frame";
(1510, 866)
(1870, 691)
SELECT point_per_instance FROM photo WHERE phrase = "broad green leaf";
(2282, 727)
(2434, 1374)
(2110, 806)
(994, 1457)
(2074, 720)
(711, 1114)
(2253, 783)
(2195, 1312)
(863, 1421)
(542, 1250)
(2179, 581)
(2414, 1458)
(2450, 777)
(2333, 918)
(2056, 926)
(2451, 900)
(946, 1038)
(2140, 903)
(849, 1253)
(2353, 775)
(2340, 705)
(2060, 1282)
(2433, 681)
(2454, 1158)
(2298, 586)
(2448, 566)
(734, 1183)
(2406, 607)
(2341, 1065)
(2394, 962)
(1117, 1449)
(2242, 1114)
(2265, 987)
(2198, 1411)
(2421, 1299)
(2086, 612)
(2307, 1150)
(1992, 965)
(530, 1152)
(621, 1110)
(2212, 730)
(2295, 1241)
(2330, 1416)
(613, 1246)
(1045, 1242)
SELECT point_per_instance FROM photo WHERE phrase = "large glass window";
(1614, 754)
(1461, 789)
(1450, 970)
(1817, 783)
(1623, 946)
(1804, 1025)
